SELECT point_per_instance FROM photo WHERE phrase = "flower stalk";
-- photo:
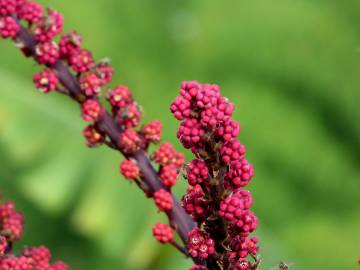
(213, 219)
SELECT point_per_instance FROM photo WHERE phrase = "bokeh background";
(291, 67)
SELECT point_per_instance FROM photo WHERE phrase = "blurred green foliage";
(292, 68)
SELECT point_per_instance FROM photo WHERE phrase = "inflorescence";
(213, 220)
(216, 177)
(31, 258)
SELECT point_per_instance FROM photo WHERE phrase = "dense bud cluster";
(129, 116)
(243, 246)
(104, 71)
(163, 233)
(90, 84)
(152, 131)
(166, 155)
(91, 110)
(197, 172)
(8, 27)
(163, 200)
(215, 222)
(195, 204)
(243, 264)
(7, 7)
(47, 53)
(129, 169)
(190, 133)
(31, 258)
(232, 151)
(119, 97)
(200, 244)
(81, 60)
(220, 168)
(11, 222)
(46, 81)
(93, 136)
(31, 12)
(130, 141)
(228, 130)
(69, 44)
(240, 173)
(49, 26)
(235, 209)
(168, 175)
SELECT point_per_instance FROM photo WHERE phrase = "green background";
(291, 67)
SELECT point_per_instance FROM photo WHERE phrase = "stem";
(178, 218)
(179, 247)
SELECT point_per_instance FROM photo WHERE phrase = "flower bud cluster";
(170, 162)
(63, 56)
(216, 198)
(11, 230)
(216, 178)
(163, 233)
(71, 69)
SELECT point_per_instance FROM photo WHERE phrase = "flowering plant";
(213, 218)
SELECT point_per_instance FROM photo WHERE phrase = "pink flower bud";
(163, 233)
(46, 81)
(163, 200)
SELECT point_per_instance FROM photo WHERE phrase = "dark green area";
(291, 67)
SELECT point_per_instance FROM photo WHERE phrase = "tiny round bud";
(81, 61)
(152, 131)
(7, 7)
(46, 81)
(129, 116)
(21, 262)
(242, 264)
(13, 226)
(163, 200)
(47, 53)
(90, 84)
(119, 97)
(197, 172)
(91, 110)
(31, 12)
(228, 130)
(9, 28)
(190, 133)
(70, 44)
(239, 175)
(49, 26)
(129, 169)
(105, 72)
(130, 141)
(169, 175)
(163, 233)
(195, 204)
(232, 151)
(38, 254)
(93, 136)
(166, 155)
(200, 245)
(243, 246)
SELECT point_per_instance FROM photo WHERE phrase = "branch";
(178, 218)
